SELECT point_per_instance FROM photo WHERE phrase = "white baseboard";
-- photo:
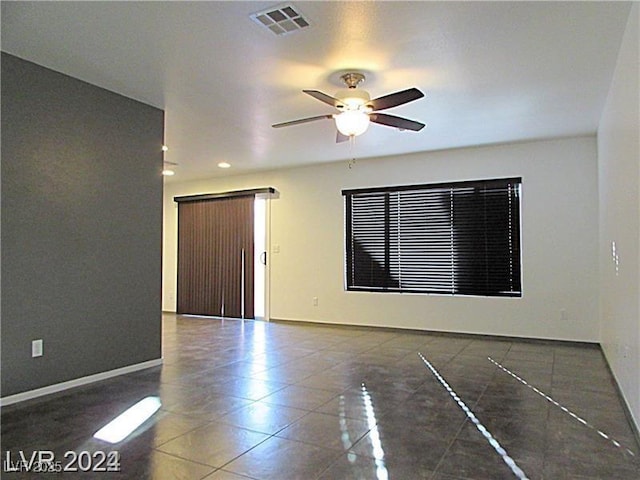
(58, 387)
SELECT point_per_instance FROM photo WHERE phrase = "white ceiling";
(492, 72)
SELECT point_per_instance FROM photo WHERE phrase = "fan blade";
(398, 122)
(395, 99)
(341, 137)
(302, 120)
(323, 97)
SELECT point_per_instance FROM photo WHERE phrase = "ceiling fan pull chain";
(352, 142)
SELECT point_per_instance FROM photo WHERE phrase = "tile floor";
(255, 400)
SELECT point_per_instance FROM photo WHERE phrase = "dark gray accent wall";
(81, 228)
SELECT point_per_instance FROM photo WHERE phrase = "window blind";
(459, 238)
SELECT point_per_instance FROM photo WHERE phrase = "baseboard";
(635, 428)
(445, 333)
(58, 387)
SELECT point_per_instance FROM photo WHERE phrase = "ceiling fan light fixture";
(352, 122)
(353, 98)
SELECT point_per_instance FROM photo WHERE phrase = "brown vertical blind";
(215, 257)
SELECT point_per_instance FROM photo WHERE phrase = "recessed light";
(164, 148)
(167, 173)
(224, 165)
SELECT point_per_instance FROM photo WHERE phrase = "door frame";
(266, 193)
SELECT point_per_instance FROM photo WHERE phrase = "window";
(458, 238)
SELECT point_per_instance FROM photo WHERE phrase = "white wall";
(559, 241)
(619, 188)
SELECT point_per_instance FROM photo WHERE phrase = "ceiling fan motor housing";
(352, 79)
(352, 98)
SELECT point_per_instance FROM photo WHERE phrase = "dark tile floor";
(286, 401)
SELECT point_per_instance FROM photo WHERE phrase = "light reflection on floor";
(255, 387)
(517, 471)
(344, 430)
(124, 424)
(562, 407)
(376, 444)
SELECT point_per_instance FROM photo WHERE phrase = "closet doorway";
(221, 267)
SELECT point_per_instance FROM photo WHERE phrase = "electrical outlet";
(36, 348)
(315, 301)
(564, 316)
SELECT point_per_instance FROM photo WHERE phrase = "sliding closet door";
(215, 257)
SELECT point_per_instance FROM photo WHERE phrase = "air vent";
(281, 20)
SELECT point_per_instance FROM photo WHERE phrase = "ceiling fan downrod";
(352, 79)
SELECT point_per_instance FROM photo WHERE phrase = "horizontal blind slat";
(460, 238)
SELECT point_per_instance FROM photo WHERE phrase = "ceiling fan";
(356, 109)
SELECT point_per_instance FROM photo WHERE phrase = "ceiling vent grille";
(281, 20)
